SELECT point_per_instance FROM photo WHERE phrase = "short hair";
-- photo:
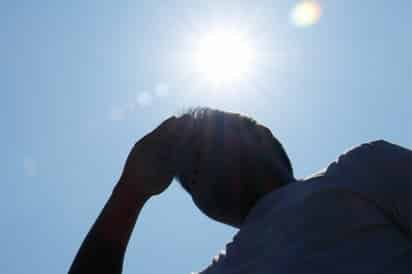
(203, 114)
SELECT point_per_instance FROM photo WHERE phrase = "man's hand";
(149, 170)
(154, 159)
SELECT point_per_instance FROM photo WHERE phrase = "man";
(353, 217)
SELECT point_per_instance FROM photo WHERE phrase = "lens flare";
(306, 13)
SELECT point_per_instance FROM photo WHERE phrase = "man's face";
(222, 175)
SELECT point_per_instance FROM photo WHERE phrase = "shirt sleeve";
(381, 172)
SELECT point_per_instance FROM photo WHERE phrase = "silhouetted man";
(353, 217)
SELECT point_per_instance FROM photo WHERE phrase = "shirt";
(353, 217)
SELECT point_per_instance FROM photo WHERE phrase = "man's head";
(233, 163)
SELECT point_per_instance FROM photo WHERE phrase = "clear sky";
(81, 81)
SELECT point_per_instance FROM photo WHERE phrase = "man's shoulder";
(370, 155)
(360, 153)
(380, 146)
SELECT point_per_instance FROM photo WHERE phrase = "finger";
(166, 125)
(185, 133)
(163, 131)
(170, 137)
(171, 130)
(266, 137)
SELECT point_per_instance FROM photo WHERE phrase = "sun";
(223, 56)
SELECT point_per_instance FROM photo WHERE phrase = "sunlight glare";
(223, 56)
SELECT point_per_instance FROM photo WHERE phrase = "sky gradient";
(81, 81)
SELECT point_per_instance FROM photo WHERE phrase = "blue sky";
(81, 81)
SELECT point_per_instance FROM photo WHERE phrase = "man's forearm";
(103, 249)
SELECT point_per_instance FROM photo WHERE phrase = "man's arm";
(104, 247)
(149, 170)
